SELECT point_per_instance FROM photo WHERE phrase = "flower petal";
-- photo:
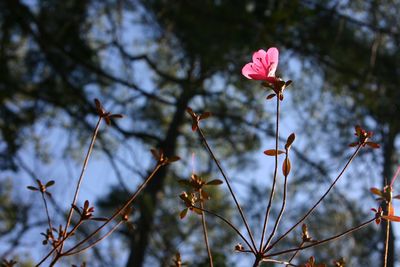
(259, 58)
(272, 60)
(251, 69)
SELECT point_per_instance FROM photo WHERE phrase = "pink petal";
(272, 59)
(257, 76)
(259, 58)
(251, 69)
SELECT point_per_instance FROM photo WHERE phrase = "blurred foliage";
(56, 56)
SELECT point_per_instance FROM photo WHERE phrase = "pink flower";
(263, 66)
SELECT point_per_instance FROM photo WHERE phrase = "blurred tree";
(53, 63)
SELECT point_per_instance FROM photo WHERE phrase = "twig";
(271, 196)
(317, 203)
(230, 224)
(387, 243)
(229, 187)
(94, 243)
(282, 208)
(358, 227)
(203, 221)
(78, 185)
(295, 253)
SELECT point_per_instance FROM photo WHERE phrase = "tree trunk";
(149, 199)
(387, 173)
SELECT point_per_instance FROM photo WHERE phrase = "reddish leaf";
(155, 154)
(173, 159)
(273, 152)
(198, 211)
(271, 96)
(205, 115)
(397, 197)
(205, 195)
(372, 144)
(290, 140)
(353, 144)
(214, 182)
(190, 111)
(376, 191)
(183, 213)
(392, 218)
(287, 83)
(194, 126)
(286, 166)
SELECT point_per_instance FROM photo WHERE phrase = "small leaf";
(48, 194)
(32, 188)
(397, 197)
(205, 195)
(392, 218)
(287, 83)
(194, 126)
(49, 183)
(205, 115)
(372, 144)
(270, 96)
(290, 140)
(376, 191)
(353, 144)
(286, 166)
(173, 159)
(117, 116)
(198, 211)
(190, 111)
(281, 97)
(183, 213)
(155, 154)
(214, 182)
(273, 152)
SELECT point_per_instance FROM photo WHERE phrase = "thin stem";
(78, 185)
(295, 253)
(387, 243)
(358, 227)
(141, 187)
(318, 202)
(94, 243)
(230, 224)
(130, 200)
(203, 221)
(59, 244)
(47, 213)
(271, 196)
(229, 186)
(282, 208)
